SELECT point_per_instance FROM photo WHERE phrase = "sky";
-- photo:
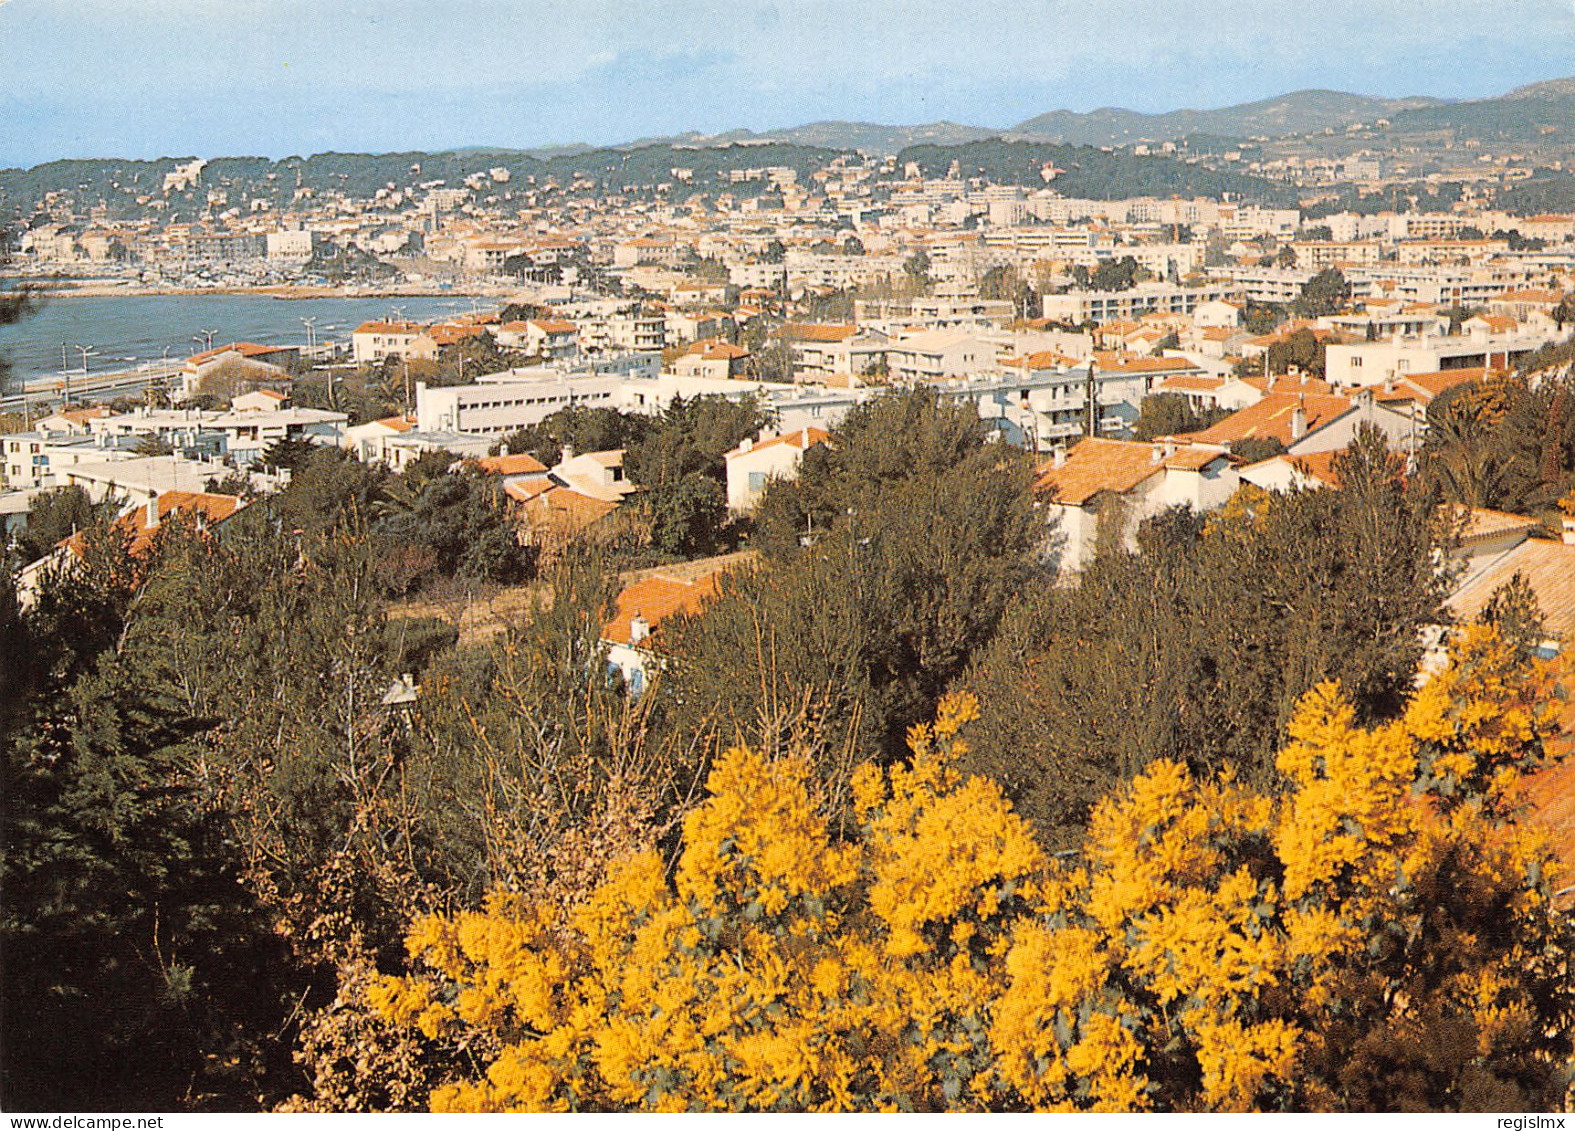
(151, 78)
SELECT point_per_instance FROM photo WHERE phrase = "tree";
(1379, 937)
(584, 429)
(288, 453)
(153, 444)
(1262, 318)
(921, 534)
(1171, 414)
(1564, 312)
(139, 970)
(56, 515)
(1114, 275)
(917, 268)
(1302, 349)
(1234, 617)
(678, 458)
(1285, 257)
(1325, 293)
(1506, 443)
(458, 527)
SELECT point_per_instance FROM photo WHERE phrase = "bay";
(124, 330)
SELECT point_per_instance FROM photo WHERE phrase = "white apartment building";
(504, 403)
(937, 354)
(1078, 307)
(38, 459)
(1375, 363)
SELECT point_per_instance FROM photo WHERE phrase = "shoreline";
(287, 293)
(44, 290)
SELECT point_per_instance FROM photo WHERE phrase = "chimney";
(639, 629)
(568, 453)
(1298, 421)
(1058, 456)
(1156, 453)
(153, 511)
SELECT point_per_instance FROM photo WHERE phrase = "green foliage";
(452, 525)
(1087, 172)
(1514, 610)
(134, 956)
(923, 534)
(1171, 414)
(56, 515)
(1198, 647)
(1503, 444)
(1263, 317)
(1564, 312)
(1255, 448)
(1325, 293)
(679, 460)
(289, 454)
(1302, 349)
(583, 429)
(1115, 275)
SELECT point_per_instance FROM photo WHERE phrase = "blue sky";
(148, 78)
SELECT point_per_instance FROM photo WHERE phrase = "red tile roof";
(1272, 417)
(655, 599)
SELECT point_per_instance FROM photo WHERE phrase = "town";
(1014, 620)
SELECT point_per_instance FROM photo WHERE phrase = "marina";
(79, 339)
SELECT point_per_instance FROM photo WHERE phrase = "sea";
(125, 330)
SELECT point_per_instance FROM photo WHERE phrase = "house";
(1283, 474)
(754, 463)
(37, 459)
(368, 441)
(630, 636)
(140, 478)
(248, 434)
(933, 355)
(1486, 536)
(371, 342)
(580, 492)
(141, 524)
(1125, 481)
(70, 421)
(246, 360)
(549, 338)
(824, 351)
(713, 358)
(260, 400)
(1507, 549)
(402, 449)
(1373, 363)
(1307, 422)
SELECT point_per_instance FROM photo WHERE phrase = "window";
(1356, 363)
(757, 480)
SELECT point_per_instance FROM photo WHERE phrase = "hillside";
(1303, 111)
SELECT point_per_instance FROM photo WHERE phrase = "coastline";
(282, 292)
(44, 289)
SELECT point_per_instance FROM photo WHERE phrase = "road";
(45, 392)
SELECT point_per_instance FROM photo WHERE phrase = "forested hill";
(118, 183)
